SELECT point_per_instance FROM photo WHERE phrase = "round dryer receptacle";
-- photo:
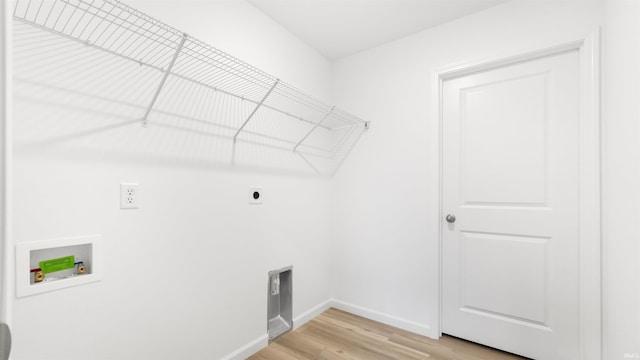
(256, 195)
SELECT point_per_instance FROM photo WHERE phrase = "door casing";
(589, 176)
(6, 244)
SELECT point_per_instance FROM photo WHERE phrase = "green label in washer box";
(53, 265)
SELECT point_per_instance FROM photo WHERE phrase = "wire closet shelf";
(310, 127)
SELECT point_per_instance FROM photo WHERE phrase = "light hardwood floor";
(336, 334)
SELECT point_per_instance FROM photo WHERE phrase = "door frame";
(6, 144)
(590, 276)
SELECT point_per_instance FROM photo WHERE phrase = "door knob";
(450, 218)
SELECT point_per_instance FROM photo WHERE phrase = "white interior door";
(510, 178)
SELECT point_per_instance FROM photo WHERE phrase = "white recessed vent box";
(55, 264)
(280, 302)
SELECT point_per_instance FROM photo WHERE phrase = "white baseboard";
(262, 341)
(408, 325)
(404, 324)
(249, 349)
(311, 313)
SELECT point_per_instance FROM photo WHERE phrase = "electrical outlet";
(129, 196)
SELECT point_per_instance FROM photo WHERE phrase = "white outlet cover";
(129, 196)
(256, 195)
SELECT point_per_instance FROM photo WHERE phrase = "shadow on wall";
(76, 101)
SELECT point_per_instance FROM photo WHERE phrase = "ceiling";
(339, 28)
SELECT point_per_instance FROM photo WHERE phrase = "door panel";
(517, 282)
(510, 176)
(517, 177)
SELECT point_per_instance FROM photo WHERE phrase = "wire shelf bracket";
(313, 129)
(145, 118)
(235, 137)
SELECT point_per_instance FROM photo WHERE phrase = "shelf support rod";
(145, 121)
(313, 129)
(255, 110)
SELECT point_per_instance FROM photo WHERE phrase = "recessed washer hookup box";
(280, 304)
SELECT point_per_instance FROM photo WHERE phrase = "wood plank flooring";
(337, 335)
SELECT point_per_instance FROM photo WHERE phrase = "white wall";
(386, 212)
(185, 276)
(621, 178)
